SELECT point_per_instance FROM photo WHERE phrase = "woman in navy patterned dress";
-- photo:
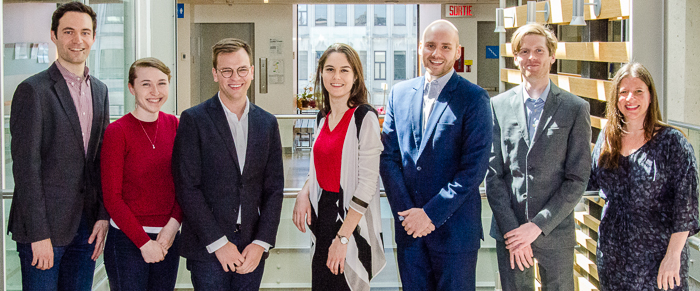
(647, 173)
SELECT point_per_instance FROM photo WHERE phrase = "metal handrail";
(288, 192)
(683, 124)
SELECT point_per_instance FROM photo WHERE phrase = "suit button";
(524, 195)
(419, 168)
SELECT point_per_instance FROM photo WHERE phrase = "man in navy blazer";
(437, 139)
(227, 165)
(57, 121)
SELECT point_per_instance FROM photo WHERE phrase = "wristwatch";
(343, 240)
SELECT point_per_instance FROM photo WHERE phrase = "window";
(301, 14)
(379, 65)
(111, 64)
(114, 14)
(341, 15)
(303, 65)
(363, 60)
(387, 53)
(321, 15)
(360, 15)
(379, 15)
(399, 65)
(399, 15)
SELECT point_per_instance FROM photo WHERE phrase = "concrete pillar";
(682, 60)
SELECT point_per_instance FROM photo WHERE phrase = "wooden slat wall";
(609, 52)
(584, 87)
(561, 11)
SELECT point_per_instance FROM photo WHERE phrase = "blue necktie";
(533, 118)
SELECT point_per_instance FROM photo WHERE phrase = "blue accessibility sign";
(180, 10)
(492, 51)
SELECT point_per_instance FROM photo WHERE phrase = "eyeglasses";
(241, 71)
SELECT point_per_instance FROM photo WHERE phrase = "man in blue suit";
(227, 165)
(437, 140)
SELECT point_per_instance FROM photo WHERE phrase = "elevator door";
(204, 37)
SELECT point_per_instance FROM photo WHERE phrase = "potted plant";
(305, 98)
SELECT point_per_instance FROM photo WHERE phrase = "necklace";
(153, 143)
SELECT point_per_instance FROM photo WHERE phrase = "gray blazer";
(55, 181)
(540, 182)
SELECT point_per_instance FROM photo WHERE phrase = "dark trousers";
(127, 270)
(325, 228)
(210, 276)
(73, 268)
(423, 269)
(555, 267)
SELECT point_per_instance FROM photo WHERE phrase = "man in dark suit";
(437, 137)
(227, 165)
(57, 121)
(538, 170)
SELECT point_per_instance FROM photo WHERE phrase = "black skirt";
(325, 226)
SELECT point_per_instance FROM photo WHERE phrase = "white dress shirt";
(431, 93)
(239, 131)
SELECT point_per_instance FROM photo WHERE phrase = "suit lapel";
(550, 107)
(519, 110)
(255, 136)
(438, 109)
(67, 103)
(218, 117)
(98, 116)
(416, 110)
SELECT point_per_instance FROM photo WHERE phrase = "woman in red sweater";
(138, 189)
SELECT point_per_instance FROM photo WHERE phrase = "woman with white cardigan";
(340, 199)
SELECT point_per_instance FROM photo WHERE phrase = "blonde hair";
(535, 29)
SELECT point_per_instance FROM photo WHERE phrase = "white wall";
(30, 23)
(271, 22)
(468, 32)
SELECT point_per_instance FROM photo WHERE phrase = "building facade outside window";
(379, 65)
(302, 14)
(399, 65)
(387, 52)
(341, 15)
(360, 15)
(399, 15)
(380, 15)
(321, 15)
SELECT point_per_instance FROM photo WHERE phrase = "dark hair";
(358, 93)
(72, 7)
(147, 63)
(615, 128)
(229, 45)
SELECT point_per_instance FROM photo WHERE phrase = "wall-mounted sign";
(180, 10)
(492, 52)
(457, 10)
(459, 64)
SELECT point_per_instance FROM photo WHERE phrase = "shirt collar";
(229, 113)
(69, 76)
(442, 81)
(544, 95)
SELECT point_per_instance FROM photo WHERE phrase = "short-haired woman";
(138, 189)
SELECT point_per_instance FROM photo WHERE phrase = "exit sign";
(454, 10)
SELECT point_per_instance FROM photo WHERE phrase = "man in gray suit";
(539, 168)
(57, 121)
